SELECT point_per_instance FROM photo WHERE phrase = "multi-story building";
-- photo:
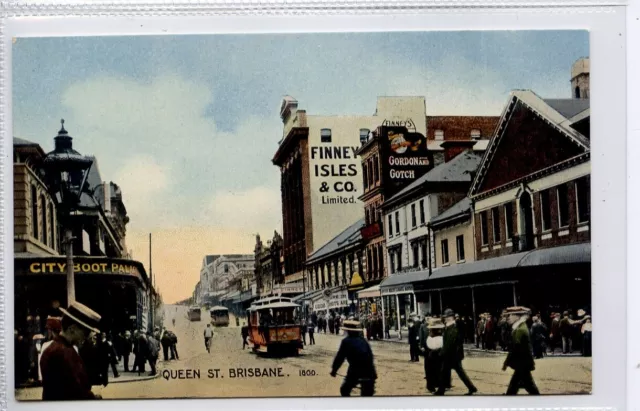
(443, 129)
(321, 172)
(207, 294)
(103, 269)
(268, 267)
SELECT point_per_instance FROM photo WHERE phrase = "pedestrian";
(567, 326)
(414, 339)
(555, 336)
(586, 336)
(107, 357)
(431, 344)
(63, 374)
(127, 347)
(538, 337)
(153, 351)
(387, 328)
(480, 332)
(174, 345)
(53, 327)
(165, 341)
(337, 325)
(311, 328)
(142, 352)
(520, 357)
(303, 332)
(452, 356)
(489, 333)
(332, 324)
(245, 334)
(91, 357)
(356, 350)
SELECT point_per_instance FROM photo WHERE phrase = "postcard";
(302, 215)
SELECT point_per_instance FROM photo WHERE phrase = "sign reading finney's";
(405, 157)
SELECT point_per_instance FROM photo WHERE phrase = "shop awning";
(370, 292)
(568, 254)
(309, 295)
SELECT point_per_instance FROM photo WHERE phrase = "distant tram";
(273, 327)
(219, 316)
(194, 313)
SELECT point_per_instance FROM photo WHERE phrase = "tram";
(219, 316)
(194, 313)
(273, 327)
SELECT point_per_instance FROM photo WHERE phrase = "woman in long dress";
(432, 359)
(586, 336)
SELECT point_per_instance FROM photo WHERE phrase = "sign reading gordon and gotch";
(405, 157)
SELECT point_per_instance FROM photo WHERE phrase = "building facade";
(322, 174)
(268, 265)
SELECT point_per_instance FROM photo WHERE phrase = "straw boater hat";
(435, 323)
(518, 311)
(83, 315)
(351, 325)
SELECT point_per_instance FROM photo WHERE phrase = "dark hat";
(54, 324)
(448, 313)
(83, 315)
(518, 310)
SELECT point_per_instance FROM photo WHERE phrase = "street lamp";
(66, 173)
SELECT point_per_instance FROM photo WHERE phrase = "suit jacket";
(520, 355)
(451, 348)
(357, 352)
(63, 373)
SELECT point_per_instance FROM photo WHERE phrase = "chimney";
(454, 147)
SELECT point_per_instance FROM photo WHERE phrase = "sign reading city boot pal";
(324, 229)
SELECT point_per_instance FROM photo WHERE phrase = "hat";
(434, 323)
(581, 313)
(83, 315)
(448, 313)
(53, 324)
(518, 310)
(38, 337)
(351, 325)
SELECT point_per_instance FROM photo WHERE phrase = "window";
(34, 211)
(43, 209)
(376, 174)
(495, 217)
(475, 134)
(421, 211)
(399, 254)
(413, 215)
(577, 92)
(483, 228)
(445, 251)
(392, 262)
(545, 205)
(423, 246)
(390, 226)
(416, 257)
(325, 135)
(563, 205)
(364, 135)
(439, 135)
(460, 247)
(366, 216)
(370, 172)
(397, 222)
(366, 176)
(52, 236)
(508, 220)
(226, 268)
(582, 200)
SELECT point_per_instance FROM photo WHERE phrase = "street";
(308, 374)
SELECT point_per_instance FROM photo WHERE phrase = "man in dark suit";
(520, 356)
(356, 350)
(451, 354)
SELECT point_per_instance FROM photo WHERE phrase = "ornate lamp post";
(66, 173)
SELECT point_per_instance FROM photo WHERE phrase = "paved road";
(397, 376)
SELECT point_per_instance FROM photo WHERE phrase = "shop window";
(484, 230)
(421, 211)
(445, 251)
(439, 135)
(460, 247)
(325, 135)
(34, 211)
(508, 220)
(397, 223)
(413, 216)
(475, 134)
(563, 205)
(545, 210)
(390, 225)
(582, 200)
(495, 217)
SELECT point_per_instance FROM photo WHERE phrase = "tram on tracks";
(194, 313)
(273, 327)
(219, 316)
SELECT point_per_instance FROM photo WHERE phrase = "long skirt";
(432, 369)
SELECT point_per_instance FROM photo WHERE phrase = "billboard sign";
(405, 157)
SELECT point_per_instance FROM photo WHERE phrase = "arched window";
(226, 268)
(43, 210)
(577, 92)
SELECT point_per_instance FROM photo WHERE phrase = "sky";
(187, 125)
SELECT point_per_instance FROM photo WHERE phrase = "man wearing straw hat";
(356, 350)
(520, 356)
(452, 355)
(63, 373)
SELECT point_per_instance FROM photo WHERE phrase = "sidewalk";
(133, 376)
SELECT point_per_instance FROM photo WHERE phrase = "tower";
(580, 79)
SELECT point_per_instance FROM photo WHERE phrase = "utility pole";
(151, 311)
(71, 286)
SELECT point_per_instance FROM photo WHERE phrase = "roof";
(273, 305)
(22, 142)
(549, 110)
(459, 209)
(346, 238)
(567, 254)
(208, 259)
(568, 107)
(457, 170)
(218, 308)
